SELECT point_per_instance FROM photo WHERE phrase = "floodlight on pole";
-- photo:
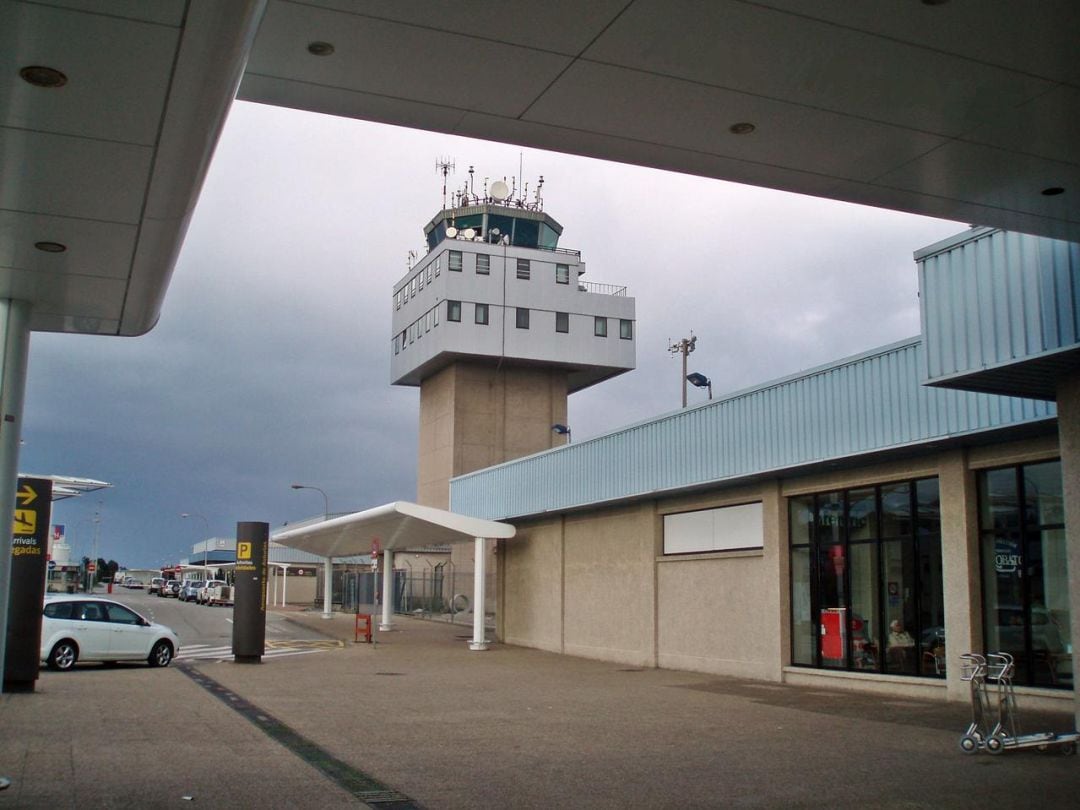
(700, 381)
(563, 430)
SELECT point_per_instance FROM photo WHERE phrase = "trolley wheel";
(969, 744)
(1068, 749)
(995, 744)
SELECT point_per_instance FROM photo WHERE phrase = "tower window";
(562, 274)
(481, 314)
(523, 271)
(522, 318)
(600, 326)
(453, 261)
(562, 322)
(453, 311)
(483, 264)
(626, 329)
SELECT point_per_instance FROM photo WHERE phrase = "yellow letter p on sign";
(243, 551)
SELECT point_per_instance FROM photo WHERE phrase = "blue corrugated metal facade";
(869, 403)
(991, 298)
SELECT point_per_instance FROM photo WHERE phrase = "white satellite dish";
(468, 233)
(451, 232)
(499, 190)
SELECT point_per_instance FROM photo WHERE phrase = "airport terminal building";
(859, 525)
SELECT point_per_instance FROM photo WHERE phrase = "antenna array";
(499, 192)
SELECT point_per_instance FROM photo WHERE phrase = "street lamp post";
(328, 563)
(206, 540)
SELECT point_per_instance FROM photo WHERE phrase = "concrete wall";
(296, 591)
(1068, 400)
(718, 612)
(474, 415)
(597, 584)
(530, 609)
(609, 587)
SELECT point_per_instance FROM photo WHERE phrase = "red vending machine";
(833, 635)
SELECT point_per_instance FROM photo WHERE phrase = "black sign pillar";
(249, 594)
(29, 554)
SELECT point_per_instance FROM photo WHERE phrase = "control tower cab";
(495, 285)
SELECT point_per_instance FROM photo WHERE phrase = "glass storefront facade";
(866, 585)
(1024, 572)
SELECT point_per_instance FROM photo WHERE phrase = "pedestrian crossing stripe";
(313, 644)
(274, 649)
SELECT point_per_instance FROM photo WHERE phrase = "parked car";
(84, 628)
(131, 582)
(155, 585)
(190, 590)
(203, 594)
(170, 588)
(220, 594)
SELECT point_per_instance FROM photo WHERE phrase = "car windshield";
(197, 583)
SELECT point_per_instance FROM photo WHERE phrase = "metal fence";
(436, 591)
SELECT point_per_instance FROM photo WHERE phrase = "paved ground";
(419, 720)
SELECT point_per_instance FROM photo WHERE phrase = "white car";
(203, 595)
(84, 628)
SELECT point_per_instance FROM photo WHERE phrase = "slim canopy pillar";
(387, 589)
(328, 588)
(479, 575)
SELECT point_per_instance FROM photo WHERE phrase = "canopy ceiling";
(964, 111)
(398, 525)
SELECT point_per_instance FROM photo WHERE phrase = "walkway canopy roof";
(397, 525)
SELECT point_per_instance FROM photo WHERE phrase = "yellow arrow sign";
(26, 496)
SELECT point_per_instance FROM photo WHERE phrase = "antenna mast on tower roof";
(444, 166)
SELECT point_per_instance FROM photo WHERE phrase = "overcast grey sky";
(270, 364)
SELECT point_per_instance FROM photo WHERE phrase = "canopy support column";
(479, 575)
(14, 353)
(387, 589)
(328, 589)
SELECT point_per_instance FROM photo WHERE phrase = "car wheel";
(63, 656)
(161, 655)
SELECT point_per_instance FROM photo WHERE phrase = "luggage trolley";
(973, 670)
(994, 719)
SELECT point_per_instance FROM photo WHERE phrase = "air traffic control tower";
(497, 327)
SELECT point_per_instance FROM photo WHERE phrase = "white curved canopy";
(396, 525)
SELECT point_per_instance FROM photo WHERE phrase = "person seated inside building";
(899, 647)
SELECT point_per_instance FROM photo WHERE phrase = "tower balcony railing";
(601, 289)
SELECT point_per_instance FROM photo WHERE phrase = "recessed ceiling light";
(1053, 191)
(741, 128)
(50, 247)
(320, 48)
(41, 76)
